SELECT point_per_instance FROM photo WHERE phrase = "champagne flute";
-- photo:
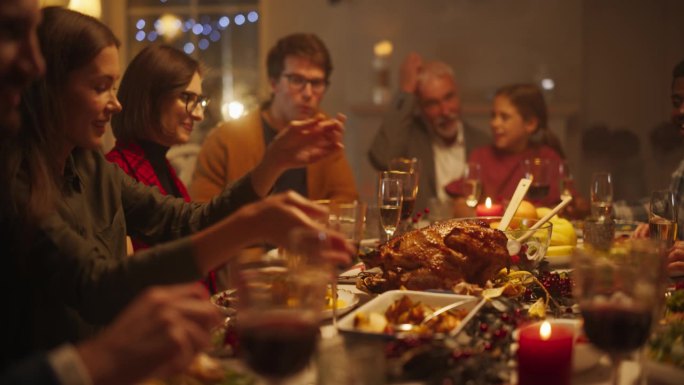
(601, 195)
(409, 184)
(567, 182)
(280, 309)
(390, 194)
(662, 216)
(619, 294)
(471, 184)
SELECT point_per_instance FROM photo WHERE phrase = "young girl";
(520, 132)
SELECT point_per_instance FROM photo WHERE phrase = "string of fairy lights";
(208, 30)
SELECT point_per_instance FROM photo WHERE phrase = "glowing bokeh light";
(223, 22)
(140, 36)
(253, 16)
(189, 48)
(240, 19)
(203, 44)
(140, 24)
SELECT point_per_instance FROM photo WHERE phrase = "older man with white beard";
(424, 122)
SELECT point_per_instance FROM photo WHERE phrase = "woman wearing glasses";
(161, 98)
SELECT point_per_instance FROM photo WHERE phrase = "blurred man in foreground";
(676, 257)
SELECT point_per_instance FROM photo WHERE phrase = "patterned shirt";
(639, 211)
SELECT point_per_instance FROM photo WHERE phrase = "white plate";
(350, 300)
(380, 304)
(370, 243)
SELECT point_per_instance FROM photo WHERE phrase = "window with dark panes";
(222, 34)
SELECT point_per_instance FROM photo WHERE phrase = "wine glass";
(619, 292)
(411, 167)
(279, 311)
(472, 185)
(601, 195)
(389, 201)
(567, 182)
(662, 216)
(539, 171)
(409, 184)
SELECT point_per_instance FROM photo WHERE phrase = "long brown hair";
(529, 101)
(69, 40)
(155, 74)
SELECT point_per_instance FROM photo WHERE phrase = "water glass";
(601, 195)
(349, 219)
(662, 216)
(472, 184)
(390, 193)
(567, 182)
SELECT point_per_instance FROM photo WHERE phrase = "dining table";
(349, 359)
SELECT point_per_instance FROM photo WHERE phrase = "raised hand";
(408, 73)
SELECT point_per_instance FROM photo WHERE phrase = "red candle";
(489, 209)
(545, 354)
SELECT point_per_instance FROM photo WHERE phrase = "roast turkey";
(441, 255)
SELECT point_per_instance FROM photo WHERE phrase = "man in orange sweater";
(299, 68)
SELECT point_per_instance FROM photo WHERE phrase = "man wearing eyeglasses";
(299, 68)
(424, 122)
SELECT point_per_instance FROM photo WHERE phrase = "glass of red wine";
(279, 310)
(539, 170)
(619, 292)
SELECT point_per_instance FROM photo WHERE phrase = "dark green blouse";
(79, 274)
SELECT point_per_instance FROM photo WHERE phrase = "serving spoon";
(405, 327)
(513, 205)
(514, 245)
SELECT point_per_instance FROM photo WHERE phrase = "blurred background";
(605, 65)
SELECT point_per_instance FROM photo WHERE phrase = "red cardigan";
(131, 158)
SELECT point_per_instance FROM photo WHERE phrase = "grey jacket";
(403, 134)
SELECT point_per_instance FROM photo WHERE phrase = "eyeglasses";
(193, 100)
(298, 82)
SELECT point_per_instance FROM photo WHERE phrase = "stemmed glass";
(390, 194)
(662, 216)
(279, 311)
(619, 292)
(411, 169)
(601, 195)
(566, 180)
(472, 185)
(538, 170)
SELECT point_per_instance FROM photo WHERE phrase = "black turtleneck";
(156, 154)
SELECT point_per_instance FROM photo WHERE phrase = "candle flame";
(545, 330)
(488, 203)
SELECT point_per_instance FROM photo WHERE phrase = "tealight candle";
(489, 209)
(545, 354)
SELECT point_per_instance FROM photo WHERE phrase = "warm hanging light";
(168, 26)
(89, 7)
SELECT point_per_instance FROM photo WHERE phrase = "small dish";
(381, 303)
(347, 301)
